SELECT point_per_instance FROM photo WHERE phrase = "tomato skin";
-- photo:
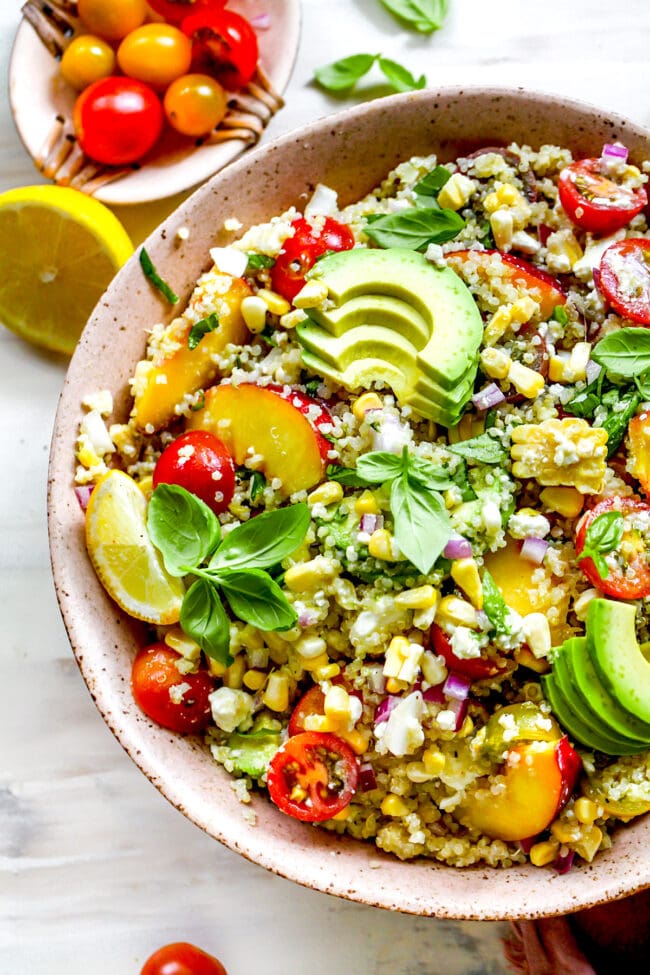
(117, 120)
(87, 59)
(306, 760)
(195, 104)
(156, 54)
(597, 215)
(111, 19)
(154, 672)
(630, 255)
(223, 44)
(299, 253)
(635, 584)
(475, 668)
(312, 702)
(175, 11)
(182, 958)
(191, 462)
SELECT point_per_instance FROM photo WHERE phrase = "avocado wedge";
(616, 656)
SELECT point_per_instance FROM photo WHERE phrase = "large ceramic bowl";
(351, 151)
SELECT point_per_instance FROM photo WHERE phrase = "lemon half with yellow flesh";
(59, 251)
(127, 563)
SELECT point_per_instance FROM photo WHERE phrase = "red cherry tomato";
(175, 11)
(199, 462)
(117, 120)
(182, 959)
(154, 674)
(475, 668)
(313, 702)
(630, 578)
(594, 202)
(313, 776)
(299, 252)
(625, 278)
(223, 44)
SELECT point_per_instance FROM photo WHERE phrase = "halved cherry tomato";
(299, 252)
(175, 11)
(117, 120)
(625, 278)
(313, 702)
(199, 462)
(111, 19)
(195, 104)
(155, 674)
(630, 578)
(313, 776)
(156, 54)
(522, 274)
(594, 201)
(182, 958)
(638, 433)
(475, 668)
(223, 44)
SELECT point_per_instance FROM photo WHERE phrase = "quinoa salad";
(382, 501)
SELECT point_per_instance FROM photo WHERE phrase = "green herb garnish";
(201, 328)
(494, 605)
(484, 449)
(343, 75)
(433, 182)
(258, 261)
(415, 228)
(624, 353)
(150, 272)
(424, 16)
(559, 315)
(603, 535)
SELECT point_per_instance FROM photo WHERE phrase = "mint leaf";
(257, 599)
(603, 535)
(400, 77)
(182, 527)
(345, 73)
(433, 182)
(421, 523)
(204, 619)
(152, 275)
(483, 449)
(263, 541)
(625, 353)
(414, 228)
(494, 605)
(199, 329)
(424, 16)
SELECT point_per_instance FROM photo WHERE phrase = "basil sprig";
(152, 275)
(415, 228)
(343, 75)
(425, 16)
(603, 535)
(201, 328)
(188, 535)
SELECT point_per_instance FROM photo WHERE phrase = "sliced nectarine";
(261, 420)
(638, 434)
(161, 383)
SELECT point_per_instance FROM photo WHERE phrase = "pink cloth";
(545, 947)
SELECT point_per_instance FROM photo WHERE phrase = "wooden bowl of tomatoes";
(133, 101)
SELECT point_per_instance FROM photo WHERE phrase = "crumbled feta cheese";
(231, 708)
(402, 734)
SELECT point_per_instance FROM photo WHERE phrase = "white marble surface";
(96, 869)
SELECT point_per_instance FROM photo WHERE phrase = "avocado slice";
(617, 658)
(251, 753)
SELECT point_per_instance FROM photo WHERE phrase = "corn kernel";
(496, 327)
(310, 575)
(421, 598)
(310, 647)
(416, 772)
(337, 703)
(315, 663)
(457, 611)
(215, 668)
(508, 194)
(293, 318)
(464, 572)
(456, 192)
(567, 452)
(566, 832)
(466, 728)
(526, 381)
(502, 226)
(586, 810)
(395, 656)
(393, 805)
(274, 302)
(319, 722)
(495, 363)
(342, 815)
(380, 546)
(276, 695)
(563, 251)
(491, 202)
(566, 501)
(356, 739)
(234, 675)
(523, 309)
(331, 492)
(366, 402)
(541, 854)
(537, 634)
(183, 644)
(581, 604)
(434, 761)
(526, 658)
(253, 310)
(312, 294)
(589, 844)
(254, 680)
(327, 672)
(366, 504)
(394, 686)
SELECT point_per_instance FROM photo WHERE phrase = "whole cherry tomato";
(175, 11)
(111, 19)
(156, 54)
(312, 702)
(299, 252)
(117, 120)
(625, 278)
(182, 958)
(199, 462)
(223, 44)
(594, 201)
(628, 572)
(87, 59)
(475, 668)
(195, 104)
(153, 677)
(313, 776)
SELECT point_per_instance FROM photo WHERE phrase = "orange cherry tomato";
(87, 59)
(155, 674)
(194, 104)
(182, 958)
(117, 120)
(156, 54)
(313, 776)
(111, 19)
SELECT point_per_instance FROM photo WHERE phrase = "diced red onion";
(488, 397)
(261, 21)
(596, 274)
(370, 523)
(460, 710)
(534, 549)
(614, 152)
(385, 707)
(564, 861)
(457, 548)
(594, 370)
(434, 695)
(456, 686)
(367, 778)
(544, 232)
(83, 495)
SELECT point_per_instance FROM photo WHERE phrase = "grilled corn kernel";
(567, 452)
(526, 381)
(234, 675)
(586, 810)
(502, 226)
(380, 546)
(464, 572)
(331, 492)
(421, 598)
(358, 741)
(537, 634)
(366, 402)
(254, 680)
(274, 302)
(312, 294)
(456, 192)
(310, 575)
(567, 501)
(456, 611)
(315, 663)
(366, 504)
(581, 604)
(589, 844)
(434, 761)
(216, 669)
(495, 363)
(253, 310)
(541, 854)
(276, 695)
(393, 805)
(564, 832)
(327, 672)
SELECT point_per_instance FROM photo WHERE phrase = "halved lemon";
(127, 563)
(59, 251)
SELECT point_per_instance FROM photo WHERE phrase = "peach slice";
(264, 420)
(538, 779)
(162, 382)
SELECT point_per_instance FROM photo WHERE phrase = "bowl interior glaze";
(352, 152)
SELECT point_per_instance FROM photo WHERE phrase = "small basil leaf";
(199, 329)
(182, 527)
(264, 540)
(426, 474)
(424, 16)
(414, 228)
(433, 182)
(204, 619)
(257, 599)
(152, 275)
(347, 476)
(494, 605)
(643, 385)
(421, 523)
(345, 73)
(257, 485)
(584, 403)
(603, 535)
(617, 421)
(400, 77)
(379, 466)
(625, 353)
(559, 315)
(257, 261)
(483, 449)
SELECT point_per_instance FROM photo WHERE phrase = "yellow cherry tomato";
(156, 54)
(87, 59)
(194, 104)
(112, 19)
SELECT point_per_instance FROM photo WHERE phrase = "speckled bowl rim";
(103, 639)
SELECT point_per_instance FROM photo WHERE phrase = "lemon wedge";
(128, 565)
(59, 250)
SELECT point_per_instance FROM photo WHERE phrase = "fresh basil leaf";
(421, 523)
(461, 481)
(257, 599)
(433, 182)
(150, 272)
(264, 540)
(400, 77)
(494, 605)
(583, 403)
(345, 73)
(347, 476)
(257, 261)
(625, 353)
(617, 421)
(426, 474)
(414, 228)
(204, 619)
(312, 386)
(199, 329)
(182, 527)
(643, 385)
(379, 466)
(257, 485)
(603, 535)
(559, 315)
(484, 449)
(424, 16)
